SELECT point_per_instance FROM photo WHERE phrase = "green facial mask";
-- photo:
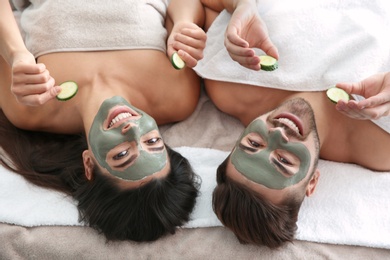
(102, 141)
(258, 166)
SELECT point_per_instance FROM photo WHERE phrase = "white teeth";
(120, 117)
(290, 124)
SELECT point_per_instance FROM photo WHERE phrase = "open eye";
(121, 155)
(153, 140)
(284, 160)
(255, 143)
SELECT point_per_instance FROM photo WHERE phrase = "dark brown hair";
(55, 161)
(251, 217)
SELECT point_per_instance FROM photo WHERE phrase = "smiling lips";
(119, 114)
(119, 118)
(292, 122)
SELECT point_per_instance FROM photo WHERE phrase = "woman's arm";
(185, 19)
(11, 43)
(31, 82)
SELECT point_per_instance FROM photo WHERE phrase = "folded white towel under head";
(350, 206)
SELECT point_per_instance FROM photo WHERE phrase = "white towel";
(94, 25)
(320, 43)
(350, 206)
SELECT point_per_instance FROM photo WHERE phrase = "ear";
(312, 183)
(88, 164)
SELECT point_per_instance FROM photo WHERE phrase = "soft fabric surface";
(320, 43)
(214, 243)
(350, 206)
(132, 25)
(339, 212)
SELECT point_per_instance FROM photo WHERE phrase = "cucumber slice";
(335, 94)
(268, 63)
(68, 90)
(177, 62)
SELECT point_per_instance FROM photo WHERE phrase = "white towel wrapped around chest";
(56, 26)
(320, 43)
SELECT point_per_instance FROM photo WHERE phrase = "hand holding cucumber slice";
(68, 90)
(177, 62)
(268, 63)
(335, 94)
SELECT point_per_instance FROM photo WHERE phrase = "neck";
(324, 111)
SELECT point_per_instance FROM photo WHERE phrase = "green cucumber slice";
(68, 90)
(177, 62)
(335, 94)
(268, 63)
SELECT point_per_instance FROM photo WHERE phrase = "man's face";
(126, 141)
(276, 150)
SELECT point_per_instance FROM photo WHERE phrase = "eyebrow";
(130, 160)
(281, 167)
(156, 149)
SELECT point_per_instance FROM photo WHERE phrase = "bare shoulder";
(370, 146)
(358, 141)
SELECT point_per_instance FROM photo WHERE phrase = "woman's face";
(126, 141)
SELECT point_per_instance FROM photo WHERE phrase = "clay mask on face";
(258, 166)
(102, 141)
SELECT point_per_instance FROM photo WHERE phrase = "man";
(263, 182)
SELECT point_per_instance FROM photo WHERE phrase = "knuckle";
(44, 77)
(16, 91)
(375, 115)
(40, 100)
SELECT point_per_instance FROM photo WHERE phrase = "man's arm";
(229, 5)
(376, 90)
(246, 30)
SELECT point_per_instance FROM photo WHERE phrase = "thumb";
(52, 93)
(170, 49)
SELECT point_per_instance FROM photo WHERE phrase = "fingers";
(376, 91)
(32, 85)
(366, 88)
(27, 68)
(242, 54)
(270, 49)
(351, 88)
(39, 99)
(190, 43)
(353, 109)
(240, 41)
(26, 77)
(233, 38)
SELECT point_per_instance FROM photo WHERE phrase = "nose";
(281, 131)
(126, 128)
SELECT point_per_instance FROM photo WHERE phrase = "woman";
(98, 146)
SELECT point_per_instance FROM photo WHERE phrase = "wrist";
(18, 54)
(231, 5)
